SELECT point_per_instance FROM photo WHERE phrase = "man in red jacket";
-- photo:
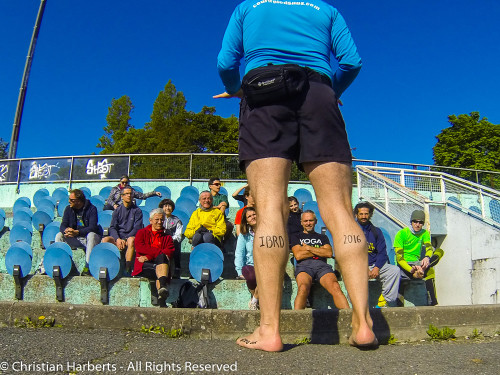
(153, 249)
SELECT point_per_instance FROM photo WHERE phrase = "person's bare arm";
(301, 252)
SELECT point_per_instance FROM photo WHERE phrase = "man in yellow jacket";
(206, 224)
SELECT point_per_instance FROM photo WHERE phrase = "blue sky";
(423, 60)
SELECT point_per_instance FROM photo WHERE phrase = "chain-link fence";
(187, 167)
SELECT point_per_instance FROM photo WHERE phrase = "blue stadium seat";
(60, 194)
(190, 192)
(58, 254)
(46, 205)
(183, 217)
(20, 233)
(22, 214)
(206, 256)
(56, 224)
(49, 235)
(104, 192)
(389, 246)
(20, 203)
(104, 258)
(24, 246)
(2, 213)
(16, 255)
(476, 210)
(320, 224)
(152, 203)
(109, 247)
(104, 218)
(61, 207)
(311, 205)
(23, 224)
(145, 217)
(454, 200)
(86, 191)
(139, 189)
(223, 191)
(26, 199)
(165, 191)
(185, 204)
(39, 194)
(303, 196)
(97, 201)
(2, 222)
(41, 217)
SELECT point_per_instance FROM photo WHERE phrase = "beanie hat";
(418, 215)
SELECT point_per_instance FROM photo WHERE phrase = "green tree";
(4, 146)
(470, 142)
(118, 120)
(172, 128)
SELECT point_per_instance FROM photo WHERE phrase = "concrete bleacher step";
(223, 294)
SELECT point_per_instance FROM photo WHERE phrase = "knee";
(130, 241)
(303, 288)
(94, 237)
(162, 259)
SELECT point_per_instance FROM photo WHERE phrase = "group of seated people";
(154, 251)
(415, 256)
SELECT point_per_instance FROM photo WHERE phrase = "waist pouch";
(274, 83)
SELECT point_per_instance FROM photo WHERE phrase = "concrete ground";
(70, 351)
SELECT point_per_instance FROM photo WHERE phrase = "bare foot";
(363, 338)
(362, 334)
(256, 340)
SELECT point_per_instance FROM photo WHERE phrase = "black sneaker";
(163, 293)
(85, 271)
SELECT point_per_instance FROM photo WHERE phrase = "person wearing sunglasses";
(408, 244)
(115, 196)
(79, 226)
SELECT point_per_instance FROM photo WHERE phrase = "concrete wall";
(469, 272)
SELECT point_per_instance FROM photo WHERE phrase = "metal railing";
(388, 196)
(181, 167)
(432, 187)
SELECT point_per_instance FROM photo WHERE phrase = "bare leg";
(129, 255)
(331, 284)
(304, 282)
(109, 239)
(268, 179)
(332, 184)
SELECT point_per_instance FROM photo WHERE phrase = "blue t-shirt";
(288, 32)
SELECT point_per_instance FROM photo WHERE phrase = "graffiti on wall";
(100, 168)
(41, 171)
(4, 170)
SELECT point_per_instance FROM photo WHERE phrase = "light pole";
(24, 84)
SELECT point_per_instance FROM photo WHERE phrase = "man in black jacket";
(79, 227)
(125, 222)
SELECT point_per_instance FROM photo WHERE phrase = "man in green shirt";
(408, 247)
(219, 200)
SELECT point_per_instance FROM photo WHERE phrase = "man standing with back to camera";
(290, 113)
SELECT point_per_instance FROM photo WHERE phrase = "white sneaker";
(253, 305)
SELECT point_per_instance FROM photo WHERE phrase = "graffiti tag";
(102, 167)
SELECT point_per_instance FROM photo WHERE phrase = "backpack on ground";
(191, 296)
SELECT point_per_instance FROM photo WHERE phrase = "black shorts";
(308, 128)
(315, 268)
